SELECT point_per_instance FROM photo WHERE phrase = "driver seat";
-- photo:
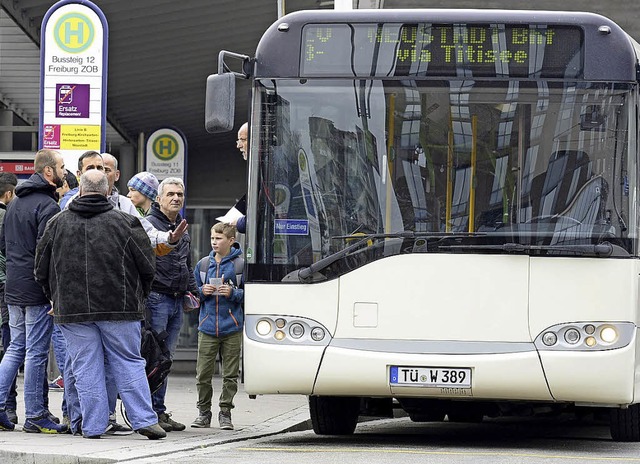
(554, 190)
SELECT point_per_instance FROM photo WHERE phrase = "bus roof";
(610, 53)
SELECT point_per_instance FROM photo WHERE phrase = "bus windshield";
(437, 166)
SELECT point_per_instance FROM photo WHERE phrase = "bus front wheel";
(625, 423)
(334, 415)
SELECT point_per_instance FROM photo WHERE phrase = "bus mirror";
(220, 103)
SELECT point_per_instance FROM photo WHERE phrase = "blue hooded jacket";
(220, 315)
(24, 224)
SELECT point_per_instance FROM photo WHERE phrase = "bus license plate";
(431, 376)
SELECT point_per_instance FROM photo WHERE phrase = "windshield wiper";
(304, 274)
(601, 250)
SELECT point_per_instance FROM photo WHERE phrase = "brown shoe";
(168, 424)
(152, 432)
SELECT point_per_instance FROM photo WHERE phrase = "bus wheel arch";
(334, 415)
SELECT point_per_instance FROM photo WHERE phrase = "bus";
(442, 214)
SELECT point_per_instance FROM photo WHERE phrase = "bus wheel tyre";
(625, 423)
(334, 415)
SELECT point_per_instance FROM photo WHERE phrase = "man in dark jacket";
(8, 182)
(174, 277)
(31, 326)
(97, 294)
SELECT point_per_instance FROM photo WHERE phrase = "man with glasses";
(243, 145)
(243, 140)
(162, 241)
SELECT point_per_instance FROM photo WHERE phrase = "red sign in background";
(17, 167)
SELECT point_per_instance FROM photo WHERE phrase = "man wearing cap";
(143, 191)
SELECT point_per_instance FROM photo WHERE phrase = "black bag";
(155, 352)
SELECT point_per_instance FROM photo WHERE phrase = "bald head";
(94, 182)
(243, 140)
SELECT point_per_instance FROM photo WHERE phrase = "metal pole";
(281, 8)
(142, 150)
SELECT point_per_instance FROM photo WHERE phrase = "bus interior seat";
(584, 214)
(554, 190)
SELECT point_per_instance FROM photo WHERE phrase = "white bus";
(442, 214)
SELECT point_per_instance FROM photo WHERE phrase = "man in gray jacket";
(97, 294)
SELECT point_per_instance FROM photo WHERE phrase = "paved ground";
(263, 416)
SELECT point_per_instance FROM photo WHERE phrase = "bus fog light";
(572, 336)
(317, 333)
(609, 334)
(279, 335)
(590, 341)
(296, 330)
(280, 323)
(549, 338)
(263, 327)
(589, 329)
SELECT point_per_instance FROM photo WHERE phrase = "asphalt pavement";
(252, 418)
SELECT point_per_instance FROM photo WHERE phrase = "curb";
(296, 420)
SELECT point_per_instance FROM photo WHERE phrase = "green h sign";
(165, 147)
(74, 32)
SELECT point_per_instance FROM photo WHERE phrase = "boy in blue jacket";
(220, 327)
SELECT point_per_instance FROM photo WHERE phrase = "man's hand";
(176, 234)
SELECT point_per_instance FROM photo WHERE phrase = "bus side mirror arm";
(223, 67)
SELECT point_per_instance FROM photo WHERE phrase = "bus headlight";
(296, 330)
(586, 336)
(549, 338)
(572, 336)
(263, 327)
(287, 330)
(317, 333)
(608, 334)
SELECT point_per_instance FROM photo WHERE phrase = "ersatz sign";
(73, 59)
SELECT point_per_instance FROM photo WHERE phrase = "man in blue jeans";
(173, 278)
(30, 323)
(97, 305)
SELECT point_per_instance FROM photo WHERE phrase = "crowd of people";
(82, 269)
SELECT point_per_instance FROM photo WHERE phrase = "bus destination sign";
(446, 50)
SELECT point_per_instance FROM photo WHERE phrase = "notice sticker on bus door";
(291, 227)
